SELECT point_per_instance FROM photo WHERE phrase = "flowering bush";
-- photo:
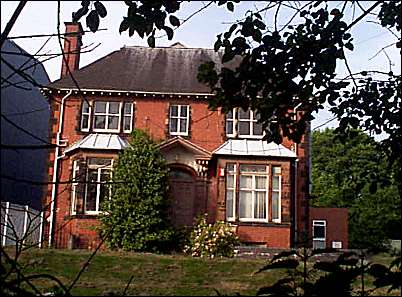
(207, 240)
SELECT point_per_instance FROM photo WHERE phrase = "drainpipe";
(295, 148)
(55, 167)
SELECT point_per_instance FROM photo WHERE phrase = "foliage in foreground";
(329, 277)
(342, 174)
(211, 240)
(135, 217)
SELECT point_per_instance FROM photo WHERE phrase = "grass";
(109, 272)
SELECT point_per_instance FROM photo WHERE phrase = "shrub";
(135, 218)
(211, 240)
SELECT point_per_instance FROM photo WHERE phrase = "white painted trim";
(180, 118)
(133, 92)
(24, 232)
(5, 224)
(55, 166)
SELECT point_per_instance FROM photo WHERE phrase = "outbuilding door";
(182, 193)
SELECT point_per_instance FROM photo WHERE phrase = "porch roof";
(99, 142)
(247, 147)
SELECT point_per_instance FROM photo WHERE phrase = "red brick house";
(218, 162)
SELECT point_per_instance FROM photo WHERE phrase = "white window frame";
(179, 118)
(107, 114)
(130, 115)
(87, 114)
(253, 121)
(279, 191)
(233, 123)
(233, 189)
(235, 119)
(253, 193)
(98, 185)
(322, 223)
(74, 187)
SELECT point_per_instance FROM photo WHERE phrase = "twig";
(128, 284)
(387, 46)
(47, 35)
(276, 17)
(11, 22)
(363, 15)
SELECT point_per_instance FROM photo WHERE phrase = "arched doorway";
(182, 193)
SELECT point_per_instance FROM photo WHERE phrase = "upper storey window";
(107, 116)
(243, 124)
(179, 119)
(104, 116)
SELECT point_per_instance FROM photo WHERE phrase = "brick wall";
(207, 131)
(336, 224)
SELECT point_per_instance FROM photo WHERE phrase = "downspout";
(295, 179)
(55, 167)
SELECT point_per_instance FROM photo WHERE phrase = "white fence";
(20, 223)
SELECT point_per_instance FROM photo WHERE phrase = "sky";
(40, 17)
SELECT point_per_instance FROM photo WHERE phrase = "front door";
(182, 194)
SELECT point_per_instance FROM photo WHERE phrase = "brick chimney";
(72, 47)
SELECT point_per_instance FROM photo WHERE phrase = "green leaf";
(349, 46)
(93, 21)
(151, 41)
(230, 6)
(100, 8)
(174, 21)
(169, 32)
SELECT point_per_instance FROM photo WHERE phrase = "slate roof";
(99, 142)
(247, 147)
(162, 70)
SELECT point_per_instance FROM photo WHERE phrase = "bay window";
(95, 174)
(107, 116)
(248, 188)
(243, 124)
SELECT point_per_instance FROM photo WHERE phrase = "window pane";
(245, 204)
(183, 111)
(244, 128)
(275, 205)
(276, 170)
(229, 127)
(104, 188)
(113, 122)
(127, 108)
(99, 161)
(244, 114)
(259, 206)
(257, 129)
(90, 203)
(319, 231)
(261, 182)
(246, 182)
(229, 115)
(173, 125)
(85, 107)
(275, 182)
(100, 122)
(100, 107)
(85, 122)
(230, 167)
(183, 126)
(127, 123)
(229, 204)
(173, 110)
(230, 181)
(253, 168)
(114, 107)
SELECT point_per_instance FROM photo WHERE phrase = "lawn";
(109, 272)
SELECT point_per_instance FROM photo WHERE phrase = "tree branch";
(12, 21)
